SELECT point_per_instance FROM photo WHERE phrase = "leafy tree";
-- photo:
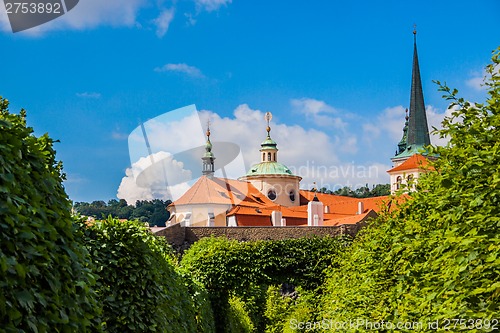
(138, 286)
(437, 256)
(45, 284)
(154, 212)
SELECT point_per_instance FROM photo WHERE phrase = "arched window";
(269, 157)
(409, 178)
(274, 156)
(292, 195)
(398, 182)
(263, 157)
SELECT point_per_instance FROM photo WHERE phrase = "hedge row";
(60, 276)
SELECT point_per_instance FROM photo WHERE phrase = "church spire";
(208, 158)
(418, 130)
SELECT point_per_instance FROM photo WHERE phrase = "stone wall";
(178, 236)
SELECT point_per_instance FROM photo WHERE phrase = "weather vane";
(268, 116)
(208, 127)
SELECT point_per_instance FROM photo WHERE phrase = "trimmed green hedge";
(241, 271)
(44, 280)
(138, 286)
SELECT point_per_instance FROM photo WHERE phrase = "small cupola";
(269, 150)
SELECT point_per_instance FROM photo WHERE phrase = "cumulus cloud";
(316, 155)
(319, 112)
(162, 22)
(145, 180)
(181, 68)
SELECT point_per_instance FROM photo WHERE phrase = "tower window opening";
(269, 157)
(274, 156)
(398, 182)
(263, 156)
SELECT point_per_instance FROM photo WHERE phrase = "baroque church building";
(270, 195)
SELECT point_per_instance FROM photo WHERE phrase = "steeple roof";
(417, 130)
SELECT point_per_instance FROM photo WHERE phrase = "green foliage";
(201, 303)
(238, 318)
(437, 256)
(45, 284)
(284, 313)
(361, 192)
(154, 212)
(228, 268)
(137, 286)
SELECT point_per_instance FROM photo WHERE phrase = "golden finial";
(208, 128)
(268, 116)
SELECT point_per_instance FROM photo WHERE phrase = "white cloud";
(476, 81)
(181, 68)
(87, 94)
(435, 118)
(162, 22)
(165, 179)
(89, 14)
(211, 5)
(315, 155)
(319, 112)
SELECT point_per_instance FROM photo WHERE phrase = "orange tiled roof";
(350, 219)
(417, 161)
(223, 191)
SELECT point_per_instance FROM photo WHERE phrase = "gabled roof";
(417, 161)
(224, 192)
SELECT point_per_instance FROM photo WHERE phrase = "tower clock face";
(271, 194)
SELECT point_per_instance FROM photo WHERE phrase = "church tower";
(208, 158)
(415, 133)
(272, 178)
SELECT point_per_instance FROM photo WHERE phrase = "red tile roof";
(222, 191)
(416, 161)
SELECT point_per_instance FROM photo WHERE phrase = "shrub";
(138, 286)
(45, 284)
(437, 257)
(244, 269)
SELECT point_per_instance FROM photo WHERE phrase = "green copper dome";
(269, 168)
(268, 143)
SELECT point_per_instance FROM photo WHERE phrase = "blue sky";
(335, 74)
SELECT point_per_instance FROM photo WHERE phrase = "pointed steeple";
(418, 130)
(208, 158)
